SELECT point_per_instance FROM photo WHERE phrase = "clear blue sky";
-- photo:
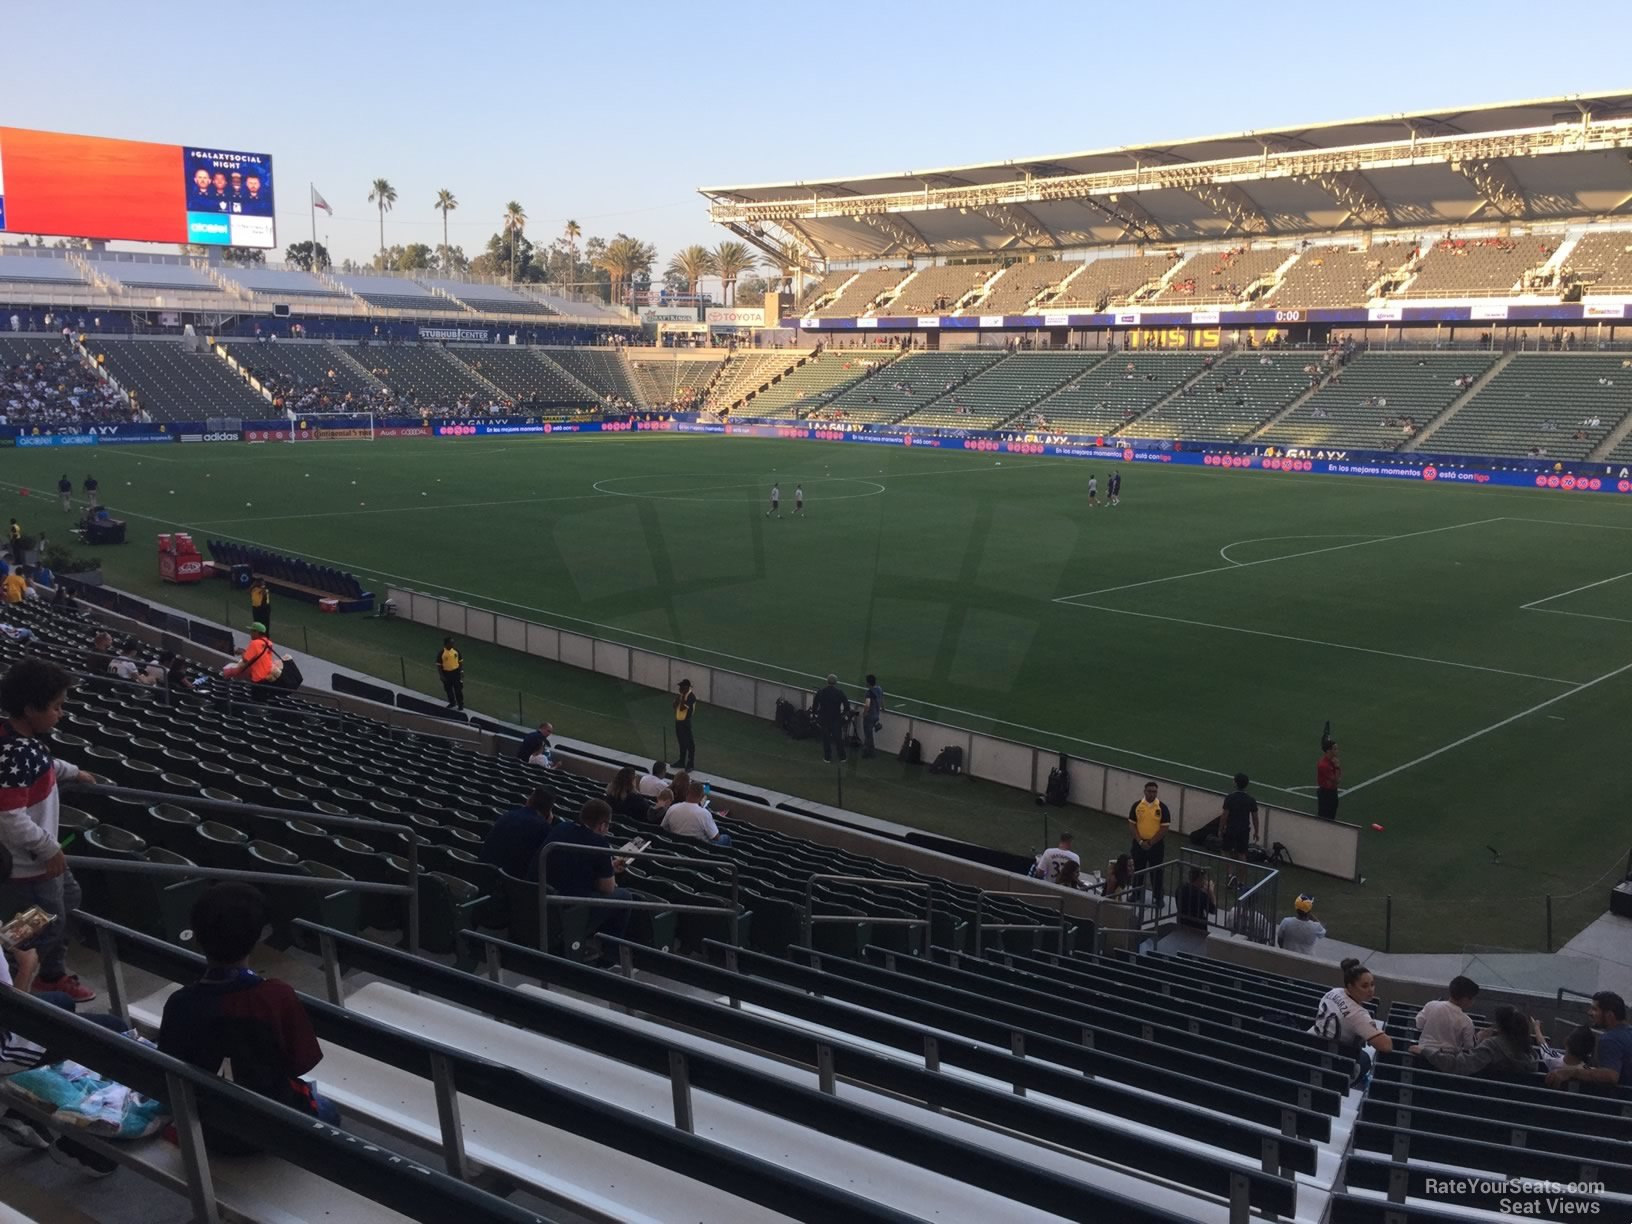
(614, 113)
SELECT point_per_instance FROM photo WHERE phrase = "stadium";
(1137, 477)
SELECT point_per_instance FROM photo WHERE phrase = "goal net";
(330, 426)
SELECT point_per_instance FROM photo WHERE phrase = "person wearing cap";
(831, 707)
(260, 602)
(685, 711)
(1328, 774)
(260, 663)
(450, 665)
(1300, 932)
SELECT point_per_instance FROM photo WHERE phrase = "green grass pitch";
(1471, 646)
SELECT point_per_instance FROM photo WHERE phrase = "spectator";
(14, 587)
(1504, 1052)
(260, 664)
(18, 1053)
(1148, 822)
(1049, 862)
(1342, 1017)
(661, 803)
(232, 1015)
(1195, 900)
(623, 797)
(872, 714)
(685, 709)
(831, 707)
(122, 665)
(31, 694)
(513, 843)
(655, 782)
(450, 666)
(578, 873)
(1299, 932)
(536, 742)
(690, 818)
(1328, 775)
(1238, 824)
(1580, 1047)
(1120, 876)
(1607, 1014)
(1443, 1026)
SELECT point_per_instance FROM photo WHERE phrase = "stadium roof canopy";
(1544, 161)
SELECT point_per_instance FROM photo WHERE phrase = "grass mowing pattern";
(1212, 622)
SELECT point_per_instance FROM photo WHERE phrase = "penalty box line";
(1495, 726)
(1241, 565)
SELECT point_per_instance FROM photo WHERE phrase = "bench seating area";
(1563, 406)
(1109, 397)
(1365, 405)
(1229, 401)
(293, 576)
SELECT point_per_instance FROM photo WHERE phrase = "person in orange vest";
(260, 663)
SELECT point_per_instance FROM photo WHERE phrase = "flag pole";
(311, 203)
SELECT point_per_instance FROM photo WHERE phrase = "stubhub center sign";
(209, 229)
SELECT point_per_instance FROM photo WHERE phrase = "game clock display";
(52, 183)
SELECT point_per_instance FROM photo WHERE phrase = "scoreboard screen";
(94, 187)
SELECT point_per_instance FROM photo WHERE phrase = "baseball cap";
(257, 627)
(1304, 903)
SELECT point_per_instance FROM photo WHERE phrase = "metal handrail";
(981, 926)
(810, 917)
(546, 898)
(232, 807)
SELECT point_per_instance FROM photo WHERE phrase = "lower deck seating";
(1004, 390)
(1379, 401)
(1231, 399)
(804, 390)
(1109, 397)
(1543, 403)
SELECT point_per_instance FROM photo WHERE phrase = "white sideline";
(1287, 637)
(1221, 569)
(1495, 726)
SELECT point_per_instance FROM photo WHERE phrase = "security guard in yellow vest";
(1148, 821)
(450, 665)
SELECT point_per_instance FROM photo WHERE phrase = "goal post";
(357, 426)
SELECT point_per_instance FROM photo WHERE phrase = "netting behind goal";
(330, 426)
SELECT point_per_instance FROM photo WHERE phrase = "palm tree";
(515, 220)
(382, 195)
(624, 259)
(570, 234)
(445, 203)
(731, 260)
(693, 263)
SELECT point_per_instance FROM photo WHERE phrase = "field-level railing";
(1328, 846)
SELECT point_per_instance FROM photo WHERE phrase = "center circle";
(761, 490)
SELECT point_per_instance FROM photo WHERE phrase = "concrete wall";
(1318, 845)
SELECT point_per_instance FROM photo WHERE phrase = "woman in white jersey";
(1342, 1016)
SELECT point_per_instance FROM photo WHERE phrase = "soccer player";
(798, 499)
(1093, 490)
(776, 501)
(1116, 488)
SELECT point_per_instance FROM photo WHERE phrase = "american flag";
(319, 202)
(26, 775)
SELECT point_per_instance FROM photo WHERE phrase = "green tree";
(244, 257)
(754, 288)
(382, 195)
(452, 259)
(690, 264)
(626, 261)
(445, 203)
(307, 256)
(731, 260)
(515, 221)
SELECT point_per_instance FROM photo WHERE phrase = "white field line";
(1495, 726)
(687, 647)
(1287, 637)
(1220, 569)
(1535, 604)
(1340, 535)
(1566, 523)
(1620, 620)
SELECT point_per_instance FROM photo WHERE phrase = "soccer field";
(1472, 647)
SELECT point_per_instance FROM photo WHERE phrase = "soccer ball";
(1000, 463)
